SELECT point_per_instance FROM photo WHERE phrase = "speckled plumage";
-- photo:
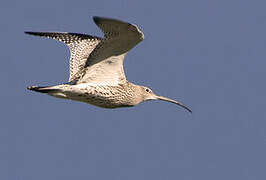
(96, 74)
(80, 46)
(122, 95)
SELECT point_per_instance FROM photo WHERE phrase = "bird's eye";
(147, 90)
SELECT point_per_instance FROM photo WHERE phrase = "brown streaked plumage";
(96, 67)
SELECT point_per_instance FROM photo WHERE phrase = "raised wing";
(105, 63)
(80, 46)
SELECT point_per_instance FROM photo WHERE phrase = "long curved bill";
(173, 101)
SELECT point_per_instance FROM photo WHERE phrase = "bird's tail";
(44, 89)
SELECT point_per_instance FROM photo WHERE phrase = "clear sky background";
(208, 54)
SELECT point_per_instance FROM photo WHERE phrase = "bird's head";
(147, 95)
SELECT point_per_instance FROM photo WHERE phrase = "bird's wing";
(107, 72)
(80, 46)
(105, 63)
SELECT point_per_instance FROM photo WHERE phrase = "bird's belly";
(104, 100)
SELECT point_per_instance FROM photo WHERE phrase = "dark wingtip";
(29, 32)
(36, 33)
(96, 19)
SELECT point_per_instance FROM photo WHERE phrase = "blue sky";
(208, 54)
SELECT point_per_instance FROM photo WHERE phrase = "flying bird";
(96, 74)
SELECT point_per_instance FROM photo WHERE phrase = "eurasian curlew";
(96, 67)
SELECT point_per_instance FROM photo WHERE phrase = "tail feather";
(45, 89)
